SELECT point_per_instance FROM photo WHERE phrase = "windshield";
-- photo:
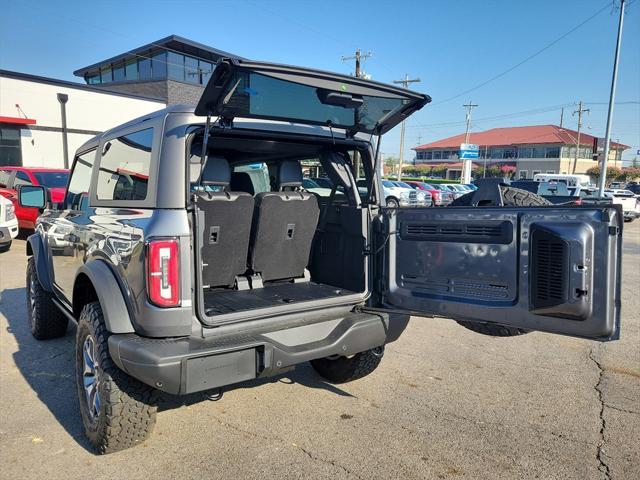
(403, 185)
(388, 184)
(52, 179)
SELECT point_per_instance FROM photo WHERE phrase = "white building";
(31, 117)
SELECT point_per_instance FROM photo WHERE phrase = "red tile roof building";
(531, 149)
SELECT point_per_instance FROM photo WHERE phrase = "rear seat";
(227, 226)
(285, 222)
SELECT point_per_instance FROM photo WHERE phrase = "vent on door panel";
(549, 269)
(458, 231)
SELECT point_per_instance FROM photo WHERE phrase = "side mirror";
(32, 196)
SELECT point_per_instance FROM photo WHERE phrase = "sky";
(453, 46)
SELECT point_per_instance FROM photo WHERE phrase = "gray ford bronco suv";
(191, 257)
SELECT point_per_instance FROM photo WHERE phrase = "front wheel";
(392, 203)
(5, 247)
(347, 369)
(117, 410)
(46, 321)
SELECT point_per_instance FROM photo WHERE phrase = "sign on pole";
(469, 150)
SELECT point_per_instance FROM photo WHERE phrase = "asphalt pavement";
(444, 403)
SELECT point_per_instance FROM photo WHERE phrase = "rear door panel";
(554, 269)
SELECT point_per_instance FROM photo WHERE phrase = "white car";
(630, 204)
(8, 223)
(399, 196)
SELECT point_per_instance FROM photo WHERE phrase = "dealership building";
(44, 120)
(530, 149)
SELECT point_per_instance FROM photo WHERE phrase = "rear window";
(124, 167)
(256, 95)
(52, 179)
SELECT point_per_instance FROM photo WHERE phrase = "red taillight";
(578, 202)
(163, 274)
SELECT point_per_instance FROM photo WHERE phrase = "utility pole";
(405, 83)
(614, 79)
(579, 111)
(466, 163)
(561, 116)
(358, 57)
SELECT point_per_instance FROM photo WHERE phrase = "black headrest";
(216, 172)
(288, 174)
(241, 182)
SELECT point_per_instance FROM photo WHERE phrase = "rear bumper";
(189, 364)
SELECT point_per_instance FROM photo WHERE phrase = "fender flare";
(114, 308)
(36, 248)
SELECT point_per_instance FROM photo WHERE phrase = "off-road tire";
(127, 412)
(5, 247)
(513, 197)
(347, 369)
(46, 321)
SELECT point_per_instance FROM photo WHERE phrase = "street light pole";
(612, 96)
(405, 83)
(466, 163)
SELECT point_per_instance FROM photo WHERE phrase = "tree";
(613, 173)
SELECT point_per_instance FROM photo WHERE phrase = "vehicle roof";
(36, 169)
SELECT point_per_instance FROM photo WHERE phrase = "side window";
(5, 175)
(78, 192)
(21, 179)
(124, 167)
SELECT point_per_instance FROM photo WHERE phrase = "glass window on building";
(159, 65)
(552, 152)
(105, 75)
(131, 69)
(538, 152)
(192, 73)
(509, 152)
(437, 155)
(428, 155)
(206, 69)
(419, 155)
(525, 152)
(144, 68)
(93, 79)
(124, 167)
(10, 149)
(495, 153)
(522, 174)
(175, 66)
(118, 73)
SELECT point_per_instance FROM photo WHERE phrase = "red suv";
(54, 179)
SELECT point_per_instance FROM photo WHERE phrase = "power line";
(525, 60)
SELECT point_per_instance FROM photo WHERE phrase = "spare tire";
(512, 197)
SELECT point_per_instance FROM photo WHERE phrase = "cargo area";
(263, 240)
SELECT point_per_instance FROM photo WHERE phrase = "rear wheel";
(5, 247)
(347, 369)
(117, 410)
(512, 197)
(45, 319)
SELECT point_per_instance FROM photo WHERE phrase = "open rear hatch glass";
(306, 96)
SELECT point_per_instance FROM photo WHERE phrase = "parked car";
(191, 273)
(446, 196)
(423, 198)
(633, 187)
(397, 196)
(630, 203)
(322, 182)
(8, 224)
(54, 179)
(453, 190)
(438, 197)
